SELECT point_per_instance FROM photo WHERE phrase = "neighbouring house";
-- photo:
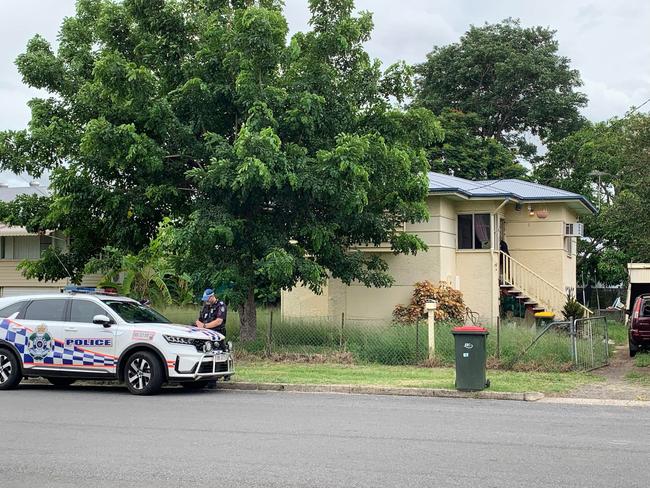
(17, 245)
(496, 241)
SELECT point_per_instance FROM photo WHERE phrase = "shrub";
(572, 308)
(449, 300)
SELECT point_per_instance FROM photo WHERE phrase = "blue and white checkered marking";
(60, 355)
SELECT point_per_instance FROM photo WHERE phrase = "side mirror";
(102, 320)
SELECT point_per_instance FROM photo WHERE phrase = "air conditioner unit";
(574, 230)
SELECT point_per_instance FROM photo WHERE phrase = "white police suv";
(90, 335)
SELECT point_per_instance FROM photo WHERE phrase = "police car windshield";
(134, 313)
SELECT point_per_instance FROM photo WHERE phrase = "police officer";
(213, 314)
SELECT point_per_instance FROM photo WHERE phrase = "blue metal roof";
(507, 188)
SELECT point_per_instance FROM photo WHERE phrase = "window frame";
(22, 303)
(491, 230)
(23, 313)
(107, 302)
(101, 306)
(570, 246)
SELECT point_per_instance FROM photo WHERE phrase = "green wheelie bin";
(471, 356)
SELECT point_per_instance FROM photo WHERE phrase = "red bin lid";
(469, 328)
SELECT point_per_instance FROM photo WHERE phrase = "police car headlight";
(207, 346)
(178, 340)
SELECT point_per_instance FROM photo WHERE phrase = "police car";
(88, 334)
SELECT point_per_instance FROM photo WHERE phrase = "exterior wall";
(302, 302)
(10, 276)
(478, 269)
(19, 248)
(360, 303)
(364, 303)
(537, 243)
(570, 260)
(639, 272)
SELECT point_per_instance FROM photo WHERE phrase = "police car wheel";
(61, 381)
(143, 374)
(194, 385)
(9, 370)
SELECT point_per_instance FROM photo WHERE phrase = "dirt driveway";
(616, 386)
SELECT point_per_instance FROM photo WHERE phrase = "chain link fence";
(582, 343)
(364, 340)
(345, 339)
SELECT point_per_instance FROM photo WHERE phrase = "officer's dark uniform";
(212, 312)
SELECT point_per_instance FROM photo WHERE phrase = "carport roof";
(518, 190)
(8, 194)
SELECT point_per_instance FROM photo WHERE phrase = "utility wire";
(637, 108)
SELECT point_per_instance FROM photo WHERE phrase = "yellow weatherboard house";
(17, 244)
(494, 240)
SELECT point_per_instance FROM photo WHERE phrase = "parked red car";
(639, 325)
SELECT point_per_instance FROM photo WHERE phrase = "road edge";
(529, 396)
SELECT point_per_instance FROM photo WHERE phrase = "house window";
(2, 248)
(474, 231)
(46, 241)
(570, 245)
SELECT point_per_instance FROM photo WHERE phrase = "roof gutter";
(469, 196)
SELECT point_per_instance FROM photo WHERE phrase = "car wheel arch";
(12, 349)
(129, 351)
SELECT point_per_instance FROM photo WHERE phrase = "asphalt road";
(84, 436)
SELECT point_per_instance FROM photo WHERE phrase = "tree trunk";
(248, 318)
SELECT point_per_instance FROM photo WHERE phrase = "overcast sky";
(608, 41)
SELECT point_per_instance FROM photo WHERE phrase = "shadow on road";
(112, 389)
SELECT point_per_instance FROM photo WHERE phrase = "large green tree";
(511, 77)
(465, 154)
(272, 160)
(606, 162)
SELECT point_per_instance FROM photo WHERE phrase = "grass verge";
(642, 360)
(403, 376)
(640, 378)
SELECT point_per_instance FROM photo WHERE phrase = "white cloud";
(606, 101)
(609, 42)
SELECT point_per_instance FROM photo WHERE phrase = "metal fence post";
(498, 337)
(417, 340)
(269, 334)
(606, 341)
(591, 342)
(341, 331)
(574, 342)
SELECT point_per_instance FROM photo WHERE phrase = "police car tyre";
(195, 385)
(10, 375)
(61, 381)
(143, 373)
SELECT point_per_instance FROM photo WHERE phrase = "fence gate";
(590, 343)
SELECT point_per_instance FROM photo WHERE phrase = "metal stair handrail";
(533, 285)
